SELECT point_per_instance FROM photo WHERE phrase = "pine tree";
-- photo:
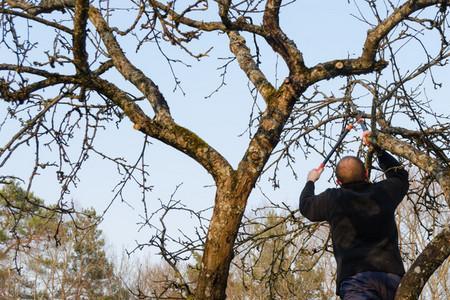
(43, 255)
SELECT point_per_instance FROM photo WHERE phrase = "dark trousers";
(369, 286)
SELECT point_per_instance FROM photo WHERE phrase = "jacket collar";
(356, 185)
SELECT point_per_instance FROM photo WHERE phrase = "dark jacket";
(361, 218)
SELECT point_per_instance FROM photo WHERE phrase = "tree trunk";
(434, 254)
(229, 208)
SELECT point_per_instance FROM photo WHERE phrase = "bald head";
(350, 169)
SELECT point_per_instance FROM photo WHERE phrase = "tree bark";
(438, 250)
(230, 203)
(434, 254)
(433, 166)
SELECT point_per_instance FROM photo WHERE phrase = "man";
(362, 225)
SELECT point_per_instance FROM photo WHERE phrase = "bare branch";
(44, 7)
(240, 24)
(248, 65)
(434, 254)
(278, 40)
(367, 61)
(224, 8)
(24, 93)
(127, 69)
(79, 36)
(37, 19)
(168, 132)
(421, 160)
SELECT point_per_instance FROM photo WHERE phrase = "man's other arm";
(397, 177)
(315, 208)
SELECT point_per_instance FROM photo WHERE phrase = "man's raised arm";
(313, 207)
(396, 182)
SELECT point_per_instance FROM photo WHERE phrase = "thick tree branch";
(434, 254)
(49, 6)
(267, 136)
(375, 35)
(167, 132)
(30, 70)
(224, 8)
(24, 93)
(421, 160)
(36, 19)
(20, 4)
(272, 13)
(278, 40)
(239, 24)
(79, 36)
(417, 134)
(127, 69)
(343, 67)
(44, 7)
(248, 65)
(367, 61)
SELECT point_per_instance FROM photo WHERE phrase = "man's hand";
(367, 138)
(314, 174)
(367, 141)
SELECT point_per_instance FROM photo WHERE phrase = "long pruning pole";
(347, 129)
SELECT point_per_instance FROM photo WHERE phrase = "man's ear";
(338, 182)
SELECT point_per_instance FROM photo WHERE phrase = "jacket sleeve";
(315, 208)
(396, 182)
